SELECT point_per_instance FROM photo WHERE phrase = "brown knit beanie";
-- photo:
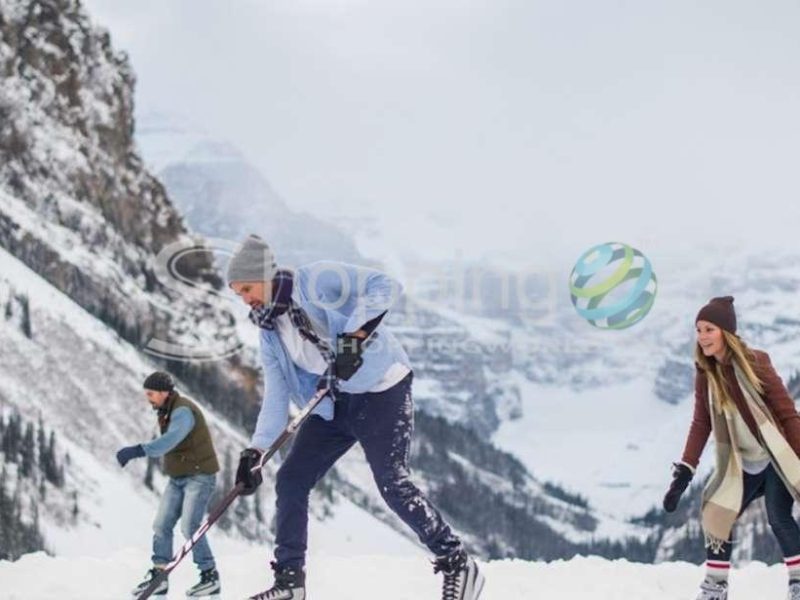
(720, 312)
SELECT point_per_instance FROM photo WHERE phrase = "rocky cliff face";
(87, 215)
(77, 204)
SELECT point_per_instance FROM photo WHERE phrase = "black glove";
(250, 480)
(681, 478)
(348, 355)
(129, 453)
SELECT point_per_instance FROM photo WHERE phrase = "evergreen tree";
(28, 453)
(17, 531)
(53, 472)
(224, 484)
(11, 438)
(41, 446)
(5, 516)
(19, 536)
(33, 539)
(148, 474)
(27, 329)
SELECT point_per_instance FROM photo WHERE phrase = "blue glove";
(129, 453)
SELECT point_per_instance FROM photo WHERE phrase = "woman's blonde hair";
(744, 357)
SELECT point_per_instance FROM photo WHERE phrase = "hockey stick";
(223, 505)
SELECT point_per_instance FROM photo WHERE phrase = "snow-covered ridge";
(222, 195)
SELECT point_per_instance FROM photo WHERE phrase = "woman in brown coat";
(741, 400)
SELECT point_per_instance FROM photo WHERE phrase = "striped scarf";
(264, 316)
(722, 496)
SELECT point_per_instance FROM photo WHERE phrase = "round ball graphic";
(612, 286)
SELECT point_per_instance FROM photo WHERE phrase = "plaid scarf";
(264, 316)
(163, 411)
(722, 496)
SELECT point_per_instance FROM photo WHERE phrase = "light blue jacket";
(338, 298)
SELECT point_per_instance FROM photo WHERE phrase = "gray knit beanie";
(254, 261)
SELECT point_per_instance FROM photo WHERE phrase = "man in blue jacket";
(314, 322)
(190, 461)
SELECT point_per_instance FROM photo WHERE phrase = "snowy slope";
(81, 224)
(37, 577)
(602, 413)
(78, 207)
(627, 476)
(85, 382)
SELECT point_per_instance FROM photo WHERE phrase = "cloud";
(514, 124)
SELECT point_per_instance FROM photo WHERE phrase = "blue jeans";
(382, 423)
(778, 502)
(185, 498)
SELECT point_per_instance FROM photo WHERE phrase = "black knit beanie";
(159, 382)
(720, 312)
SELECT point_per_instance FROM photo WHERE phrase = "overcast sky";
(496, 128)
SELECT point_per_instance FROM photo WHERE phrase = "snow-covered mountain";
(464, 373)
(625, 398)
(84, 382)
(504, 354)
(222, 195)
(83, 226)
(559, 435)
(526, 370)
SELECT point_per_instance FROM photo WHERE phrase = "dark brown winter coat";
(775, 396)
